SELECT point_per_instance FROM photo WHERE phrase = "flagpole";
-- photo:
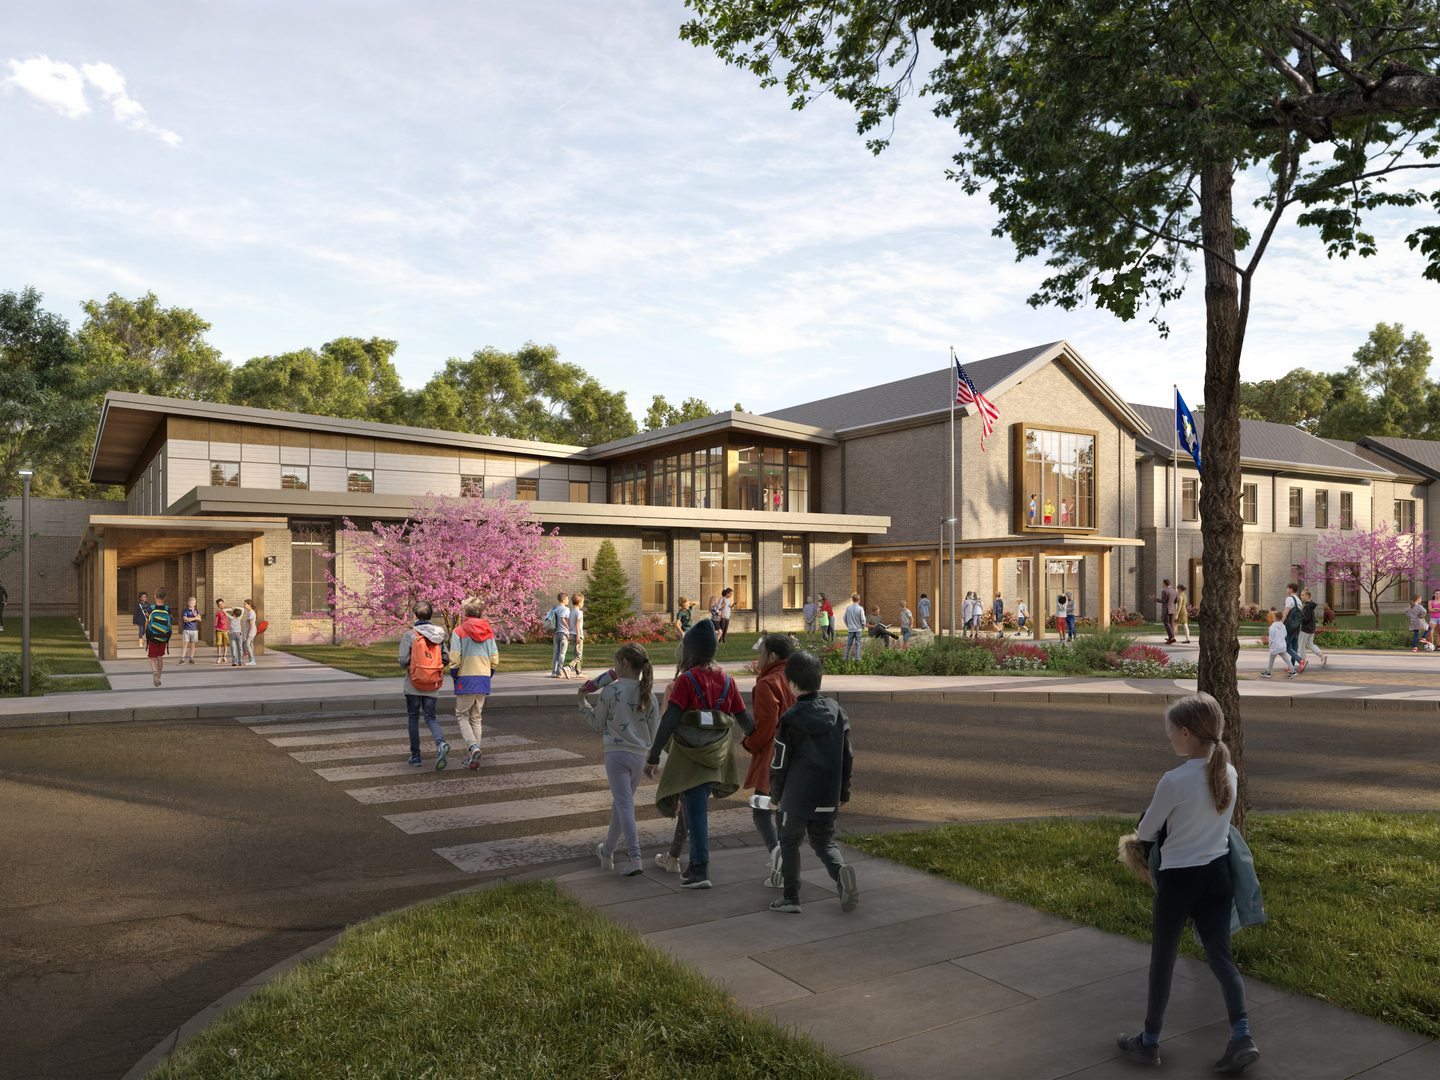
(954, 390)
(1175, 474)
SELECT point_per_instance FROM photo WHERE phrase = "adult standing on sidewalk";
(1307, 627)
(1182, 612)
(1434, 619)
(424, 656)
(473, 659)
(557, 621)
(771, 698)
(854, 626)
(138, 617)
(727, 604)
(1167, 609)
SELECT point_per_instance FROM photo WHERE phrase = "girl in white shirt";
(1193, 806)
(577, 632)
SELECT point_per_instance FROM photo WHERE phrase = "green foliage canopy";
(350, 378)
(662, 414)
(143, 348)
(607, 592)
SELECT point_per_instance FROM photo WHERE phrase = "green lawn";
(56, 641)
(517, 981)
(1353, 898)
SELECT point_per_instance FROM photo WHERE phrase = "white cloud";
(126, 109)
(62, 87)
(50, 82)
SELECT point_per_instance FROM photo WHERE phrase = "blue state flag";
(1185, 429)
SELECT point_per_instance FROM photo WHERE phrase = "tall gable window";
(1057, 479)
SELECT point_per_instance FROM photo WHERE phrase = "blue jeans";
(696, 805)
(237, 649)
(1070, 626)
(852, 638)
(558, 660)
(413, 705)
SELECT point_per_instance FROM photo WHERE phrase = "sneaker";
(1133, 1048)
(785, 904)
(1266, 675)
(1414, 650)
(473, 761)
(633, 867)
(849, 891)
(156, 677)
(1292, 672)
(696, 877)
(1303, 665)
(1324, 660)
(442, 756)
(1240, 1054)
(667, 862)
(607, 860)
(776, 880)
(413, 759)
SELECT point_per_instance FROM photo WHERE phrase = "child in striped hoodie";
(473, 660)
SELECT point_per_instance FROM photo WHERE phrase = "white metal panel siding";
(186, 473)
(420, 463)
(268, 454)
(188, 448)
(295, 455)
(360, 459)
(328, 458)
(328, 478)
(260, 474)
(224, 451)
(549, 470)
(529, 470)
(499, 467)
(597, 492)
(402, 482)
(550, 490)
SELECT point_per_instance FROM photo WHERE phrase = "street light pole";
(25, 475)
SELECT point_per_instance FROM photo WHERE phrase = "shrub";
(607, 593)
(1123, 616)
(1150, 653)
(1251, 613)
(645, 629)
(1021, 657)
(10, 676)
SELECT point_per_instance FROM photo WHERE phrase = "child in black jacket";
(810, 781)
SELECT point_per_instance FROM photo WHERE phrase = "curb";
(1315, 702)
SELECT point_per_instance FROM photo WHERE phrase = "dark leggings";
(1204, 894)
(765, 826)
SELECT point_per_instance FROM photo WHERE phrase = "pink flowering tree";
(450, 548)
(1374, 561)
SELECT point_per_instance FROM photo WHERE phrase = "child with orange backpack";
(424, 656)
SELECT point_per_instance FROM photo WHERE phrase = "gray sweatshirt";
(623, 725)
(433, 633)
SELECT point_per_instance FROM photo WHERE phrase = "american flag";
(966, 394)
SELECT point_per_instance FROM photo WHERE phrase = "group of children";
(471, 656)
(566, 624)
(1292, 633)
(235, 630)
(798, 741)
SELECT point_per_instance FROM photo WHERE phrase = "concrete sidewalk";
(927, 978)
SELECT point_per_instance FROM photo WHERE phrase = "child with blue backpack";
(157, 634)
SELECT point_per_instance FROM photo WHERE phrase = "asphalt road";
(150, 868)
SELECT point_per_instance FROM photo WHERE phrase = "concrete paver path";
(927, 978)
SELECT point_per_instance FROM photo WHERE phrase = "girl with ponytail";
(627, 716)
(1189, 818)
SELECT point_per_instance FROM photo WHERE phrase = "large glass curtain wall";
(773, 478)
(727, 562)
(310, 544)
(1059, 479)
(693, 479)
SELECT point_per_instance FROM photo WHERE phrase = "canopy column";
(257, 585)
(1038, 613)
(1104, 558)
(107, 558)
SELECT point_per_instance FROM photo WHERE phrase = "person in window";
(1049, 511)
(1032, 510)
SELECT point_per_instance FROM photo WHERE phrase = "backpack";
(550, 620)
(157, 624)
(1293, 617)
(427, 665)
(703, 726)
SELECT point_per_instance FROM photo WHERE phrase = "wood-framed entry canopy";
(1032, 547)
(115, 541)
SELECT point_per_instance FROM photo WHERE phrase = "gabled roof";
(1420, 456)
(928, 395)
(1263, 443)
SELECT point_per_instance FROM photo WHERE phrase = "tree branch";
(1283, 66)
(1398, 94)
(1332, 52)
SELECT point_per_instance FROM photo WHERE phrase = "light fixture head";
(27, 472)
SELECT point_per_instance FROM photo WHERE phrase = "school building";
(1070, 493)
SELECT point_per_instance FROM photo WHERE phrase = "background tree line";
(53, 380)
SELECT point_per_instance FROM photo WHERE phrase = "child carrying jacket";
(810, 781)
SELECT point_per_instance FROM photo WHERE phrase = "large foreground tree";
(1109, 135)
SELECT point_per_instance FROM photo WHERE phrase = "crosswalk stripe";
(341, 753)
(466, 817)
(350, 736)
(443, 787)
(390, 718)
(518, 851)
(333, 714)
(401, 768)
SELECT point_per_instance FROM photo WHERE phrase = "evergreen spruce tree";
(607, 594)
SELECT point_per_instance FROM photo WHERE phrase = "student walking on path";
(854, 626)
(668, 861)
(473, 659)
(252, 622)
(997, 616)
(627, 716)
(1307, 625)
(1022, 614)
(1419, 621)
(557, 621)
(222, 631)
(1434, 620)
(923, 609)
(1189, 818)
(907, 623)
(697, 733)
(684, 615)
(158, 628)
(810, 781)
(189, 631)
(1292, 614)
(1278, 647)
(577, 632)
(138, 617)
(771, 697)
(424, 657)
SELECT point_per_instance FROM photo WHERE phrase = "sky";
(457, 175)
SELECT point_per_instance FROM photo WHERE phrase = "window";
(725, 563)
(472, 487)
(1058, 490)
(1022, 582)
(1342, 595)
(1347, 513)
(1250, 505)
(224, 474)
(295, 477)
(1297, 576)
(654, 571)
(773, 478)
(1297, 509)
(310, 543)
(1189, 499)
(361, 481)
(1250, 582)
(628, 485)
(1404, 517)
(1322, 509)
(579, 491)
(527, 490)
(1404, 590)
(797, 498)
(792, 572)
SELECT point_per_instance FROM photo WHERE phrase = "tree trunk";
(1221, 527)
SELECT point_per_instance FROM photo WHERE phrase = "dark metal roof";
(1420, 455)
(915, 396)
(1274, 444)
